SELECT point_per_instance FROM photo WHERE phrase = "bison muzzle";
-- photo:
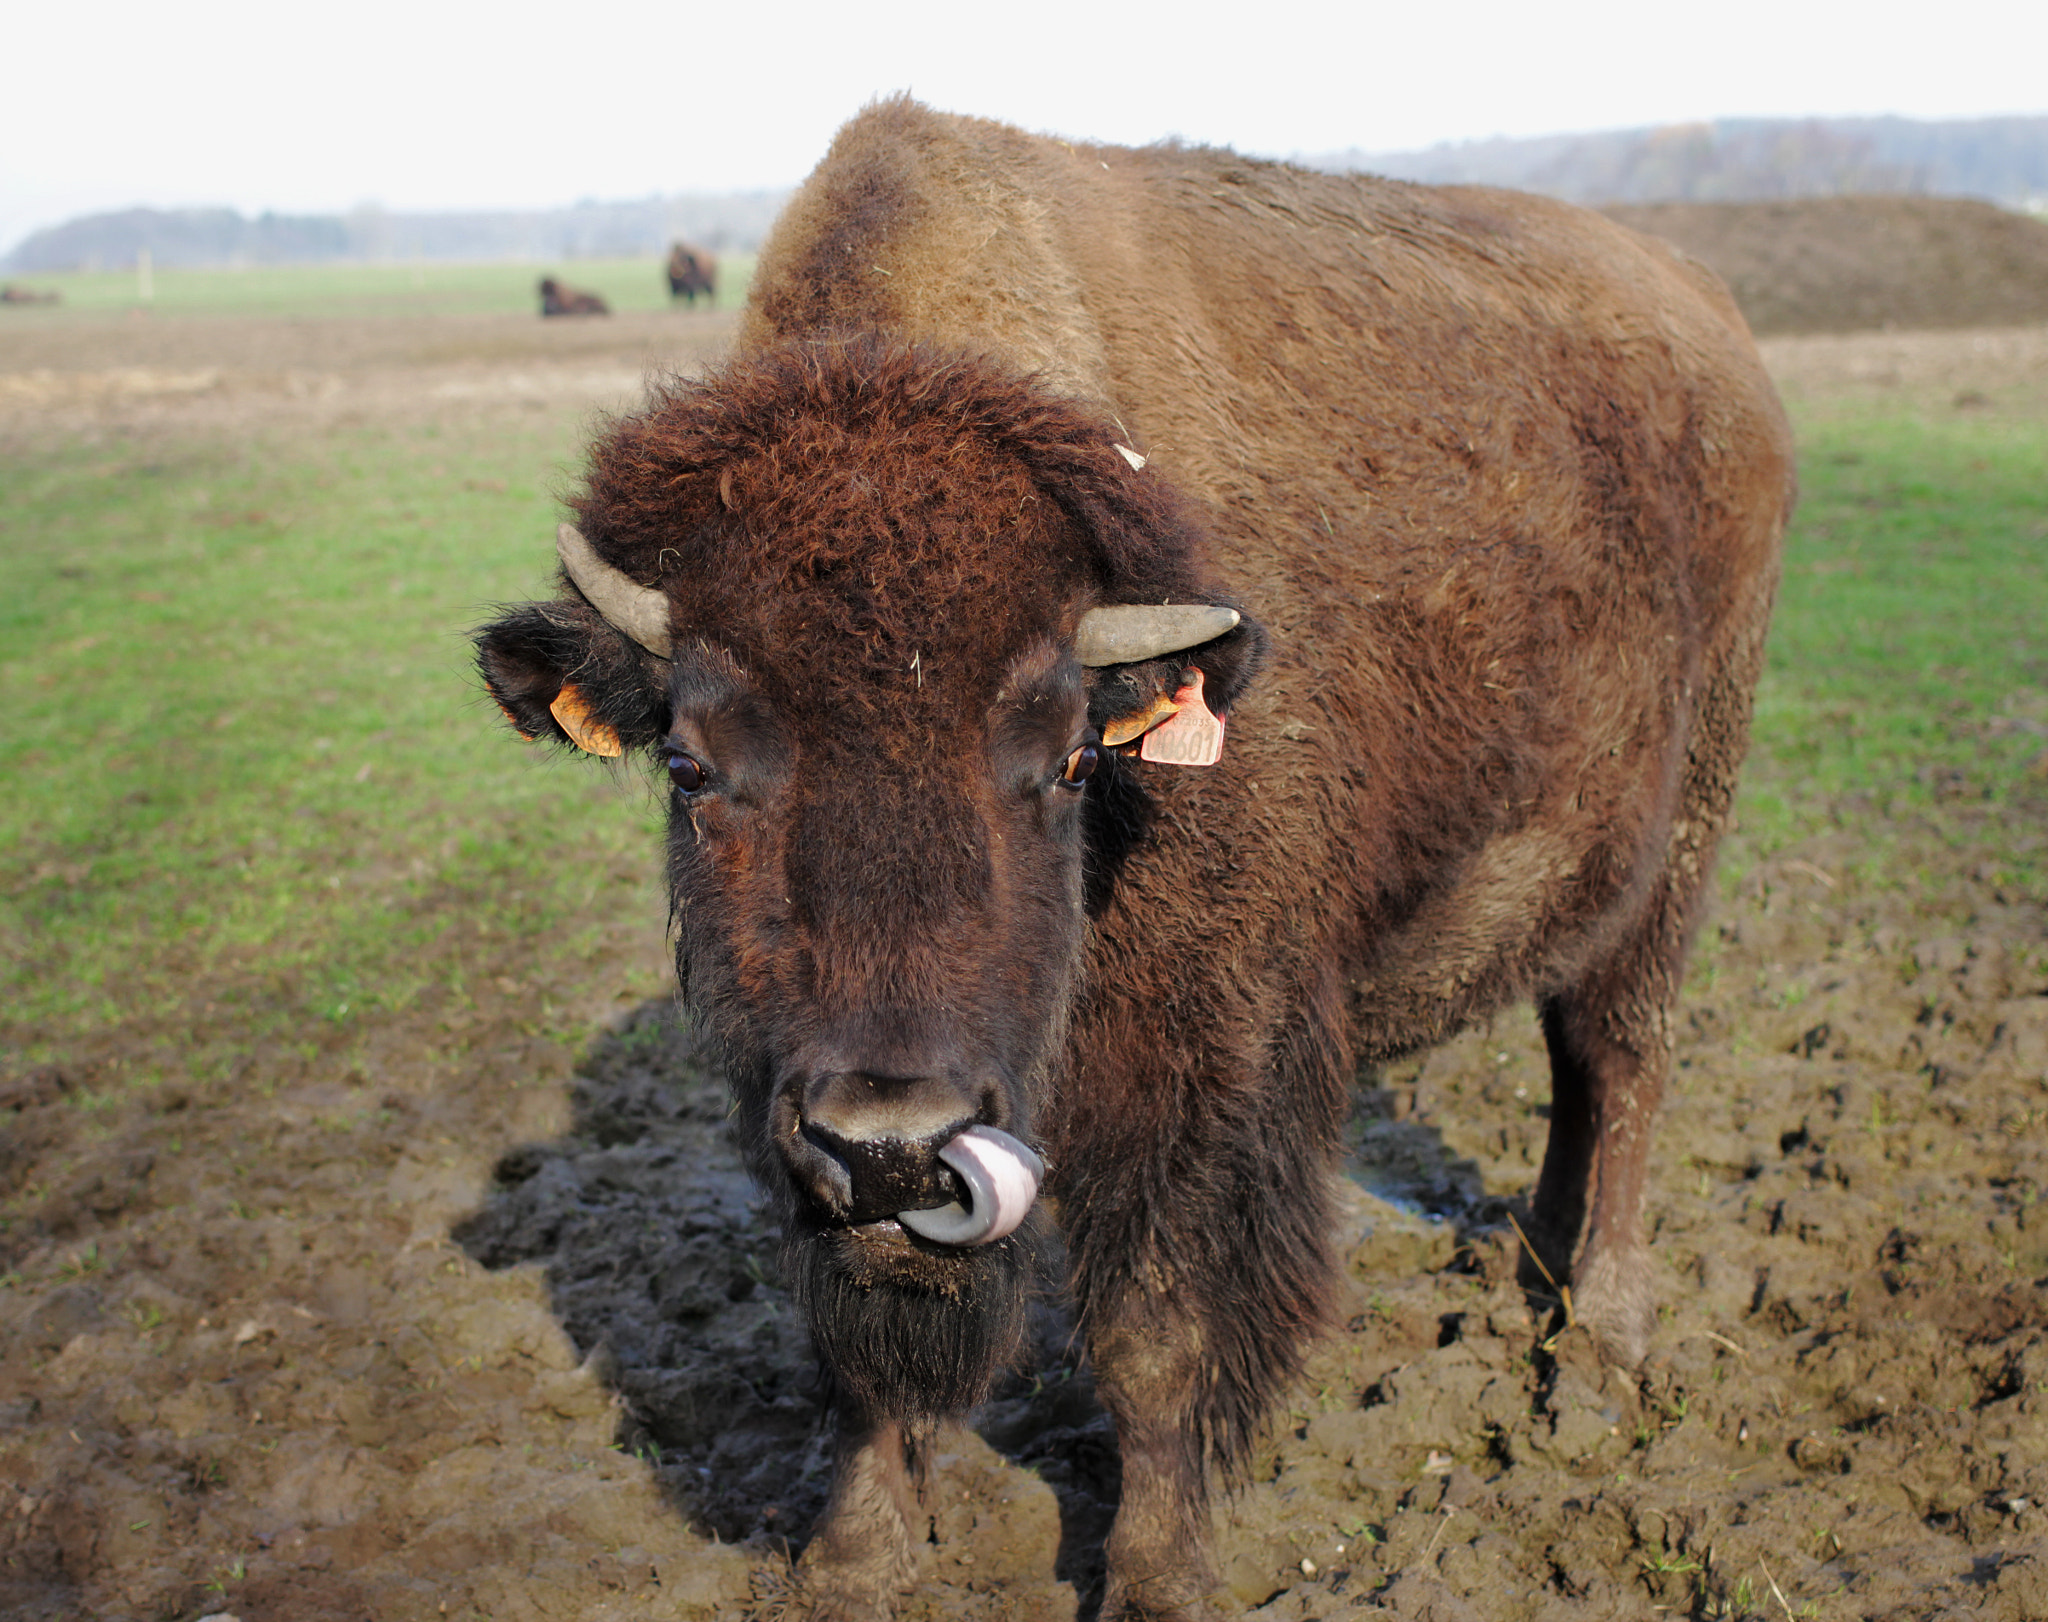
(1134, 636)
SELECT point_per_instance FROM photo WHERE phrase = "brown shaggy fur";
(1499, 487)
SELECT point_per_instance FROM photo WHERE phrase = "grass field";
(1907, 661)
(245, 743)
(416, 289)
(243, 740)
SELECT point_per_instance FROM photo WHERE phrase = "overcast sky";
(417, 104)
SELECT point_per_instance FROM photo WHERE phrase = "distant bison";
(1462, 507)
(15, 293)
(692, 271)
(556, 298)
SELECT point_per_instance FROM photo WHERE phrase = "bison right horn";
(1125, 633)
(640, 611)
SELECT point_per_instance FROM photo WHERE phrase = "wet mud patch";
(660, 1265)
(460, 1317)
(1845, 1413)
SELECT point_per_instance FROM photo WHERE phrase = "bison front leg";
(1147, 1370)
(863, 1552)
(1198, 1297)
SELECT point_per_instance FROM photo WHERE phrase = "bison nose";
(867, 1144)
(868, 1179)
(867, 1148)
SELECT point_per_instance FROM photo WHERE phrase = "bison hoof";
(835, 1606)
(1158, 1599)
(1611, 1296)
(854, 1578)
(840, 1593)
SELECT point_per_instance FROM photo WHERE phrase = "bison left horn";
(1126, 633)
(640, 611)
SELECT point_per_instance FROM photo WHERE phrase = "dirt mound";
(1851, 264)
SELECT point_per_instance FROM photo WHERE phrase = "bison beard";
(1464, 508)
(919, 1348)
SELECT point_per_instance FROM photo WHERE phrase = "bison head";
(871, 609)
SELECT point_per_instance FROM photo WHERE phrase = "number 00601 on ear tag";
(1193, 736)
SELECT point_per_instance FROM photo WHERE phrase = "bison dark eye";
(1081, 765)
(687, 774)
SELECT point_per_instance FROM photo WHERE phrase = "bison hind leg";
(1609, 1061)
(1610, 1035)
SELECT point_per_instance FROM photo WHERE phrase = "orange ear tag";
(586, 731)
(1126, 727)
(1193, 736)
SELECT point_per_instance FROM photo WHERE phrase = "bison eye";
(1081, 765)
(685, 772)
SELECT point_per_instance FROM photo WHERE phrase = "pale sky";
(422, 104)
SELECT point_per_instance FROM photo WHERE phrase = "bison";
(692, 271)
(558, 298)
(1461, 508)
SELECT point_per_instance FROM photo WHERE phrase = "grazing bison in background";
(15, 293)
(558, 298)
(692, 271)
(1463, 507)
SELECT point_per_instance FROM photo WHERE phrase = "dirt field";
(459, 1321)
(1859, 264)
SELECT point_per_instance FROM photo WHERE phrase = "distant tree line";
(2001, 160)
(728, 222)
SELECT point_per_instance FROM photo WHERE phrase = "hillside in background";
(193, 237)
(2002, 160)
(1857, 264)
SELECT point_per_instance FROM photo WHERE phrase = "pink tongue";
(1002, 1177)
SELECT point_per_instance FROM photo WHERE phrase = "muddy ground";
(450, 1318)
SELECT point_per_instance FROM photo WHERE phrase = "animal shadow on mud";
(661, 1265)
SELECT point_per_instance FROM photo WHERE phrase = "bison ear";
(1149, 543)
(1125, 700)
(1230, 663)
(558, 671)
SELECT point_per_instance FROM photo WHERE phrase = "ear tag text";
(1191, 736)
(586, 731)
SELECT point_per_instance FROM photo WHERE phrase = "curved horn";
(1125, 633)
(640, 611)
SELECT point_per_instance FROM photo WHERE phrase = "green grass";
(1909, 656)
(419, 288)
(243, 740)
